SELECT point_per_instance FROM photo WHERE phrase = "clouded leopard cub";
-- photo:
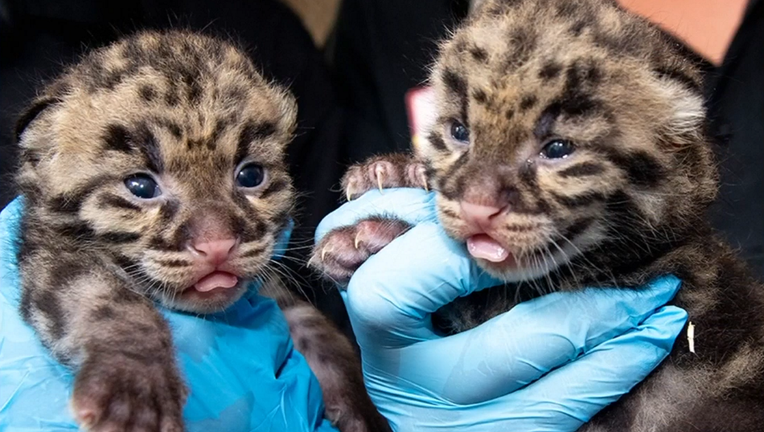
(154, 172)
(569, 150)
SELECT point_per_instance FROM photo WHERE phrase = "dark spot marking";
(274, 186)
(118, 237)
(678, 76)
(64, 204)
(527, 174)
(550, 70)
(171, 126)
(103, 312)
(542, 207)
(455, 83)
(582, 170)
(47, 302)
(171, 98)
(566, 9)
(252, 253)
(147, 92)
(193, 143)
(220, 126)
(255, 230)
(479, 54)
(452, 186)
(158, 243)
(124, 262)
(235, 93)
(523, 42)
(112, 200)
(252, 132)
(624, 43)
(77, 231)
(509, 113)
(576, 201)
(117, 138)
(167, 212)
(583, 72)
(642, 169)
(528, 102)
(577, 228)
(147, 144)
(480, 96)
(71, 202)
(437, 141)
(450, 213)
(578, 27)
(545, 123)
(173, 263)
(571, 105)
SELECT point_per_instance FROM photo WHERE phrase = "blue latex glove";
(242, 370)
(478, 380)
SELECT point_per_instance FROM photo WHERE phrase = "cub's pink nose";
(215, 251)
(480, 215)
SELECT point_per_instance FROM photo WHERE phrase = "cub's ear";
(685, 116)
(28, 116)
(288, 108)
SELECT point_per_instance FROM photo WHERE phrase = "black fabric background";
(351, 97)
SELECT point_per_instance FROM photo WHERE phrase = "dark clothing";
(736, 106)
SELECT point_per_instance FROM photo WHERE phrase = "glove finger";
(391, 296)
(518, 347)
(571, 395)
(408, 204)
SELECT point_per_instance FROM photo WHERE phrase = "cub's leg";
(339, 254)
(117, 343)
(333, 360)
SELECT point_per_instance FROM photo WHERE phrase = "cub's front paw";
(129, 392)
(339, 254)
(384, 172)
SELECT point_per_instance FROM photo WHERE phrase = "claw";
(310, 260)
(349, 195)
(357, 240)
(378, 171)
(323, 253)
(424, 182)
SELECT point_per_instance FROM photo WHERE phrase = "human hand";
(549, 364)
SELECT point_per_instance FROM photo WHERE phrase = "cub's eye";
(557, 149)
(250, 175)
(142, 186)
(460, 132)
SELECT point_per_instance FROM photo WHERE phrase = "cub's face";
(164, 154)
(564, 129)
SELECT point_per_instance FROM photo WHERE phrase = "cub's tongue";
(483, 246)
(214, 280)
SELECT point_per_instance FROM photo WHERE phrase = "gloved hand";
(579, 351)
(240, 365)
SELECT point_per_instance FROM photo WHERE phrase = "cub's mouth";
(516, 264)
(212, 292)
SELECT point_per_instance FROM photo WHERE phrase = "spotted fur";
(189, 111)
(626, 205)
